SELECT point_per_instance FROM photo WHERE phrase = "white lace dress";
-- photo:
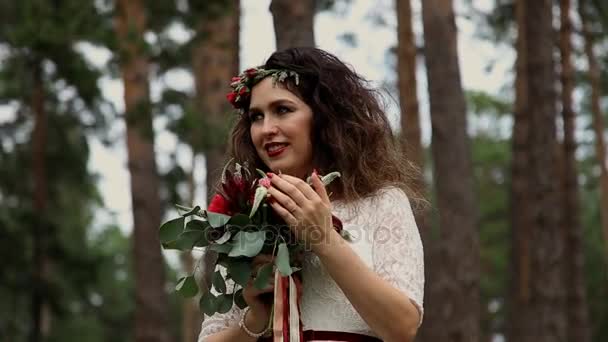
(385, 236)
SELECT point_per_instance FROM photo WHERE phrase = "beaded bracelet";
(249, 332)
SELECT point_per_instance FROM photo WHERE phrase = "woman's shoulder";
(382, 199)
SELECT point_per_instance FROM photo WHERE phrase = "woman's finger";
(284, 200)
(284, 213)
(288, 189)
(304, 188)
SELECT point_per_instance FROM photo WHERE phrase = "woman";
(302, 111)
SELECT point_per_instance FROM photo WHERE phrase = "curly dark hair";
(350, 133)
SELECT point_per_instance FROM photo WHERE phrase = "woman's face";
(280, 129)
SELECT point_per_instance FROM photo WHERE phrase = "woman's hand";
(260, 306)
(306, 209)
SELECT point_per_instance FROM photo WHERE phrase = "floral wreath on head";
(243, 83)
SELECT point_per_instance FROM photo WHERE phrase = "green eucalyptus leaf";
(218, 282)
(225, 248)
(239, 300)
(282, 260)
(208, 303)
(188, 210)
(260, 194)
(186, 287)
(247, 244)
(222, 240)
(197, 225)
(263, 277)
(188, 239)
(224, 303)
(240, 270)
(239, 220)
(170, 230)
(217, 220)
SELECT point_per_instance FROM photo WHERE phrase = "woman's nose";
(269, 126)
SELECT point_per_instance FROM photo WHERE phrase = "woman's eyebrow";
(274, 104)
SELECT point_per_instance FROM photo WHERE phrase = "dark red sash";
(312, 335)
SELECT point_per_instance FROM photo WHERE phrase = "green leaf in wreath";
(240, 270)
(224, 303)
(262, 279)
(247, 244)
(239, 300)
(186, 287)
(218, 282)
(217, 220)
(170, 230)
(208, 303)
(283, 260)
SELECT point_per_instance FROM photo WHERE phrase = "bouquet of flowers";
(238, 225)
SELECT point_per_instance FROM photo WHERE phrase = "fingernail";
(315, 172)
(269, 174)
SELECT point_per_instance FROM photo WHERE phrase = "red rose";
(251, 72)
(231, 97)
(219, 205)
(235, 79)
(243, 91)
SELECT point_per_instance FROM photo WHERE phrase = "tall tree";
(537, 309)
(458, 244)
(578, 321)
(293, 23)
(593, 73)
(151, 313)
(215, 59)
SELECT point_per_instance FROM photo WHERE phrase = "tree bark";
(458, 302)
(41, 315)
(519, 287)
(151, 310)
(578, 320)
(537, 309)
(215, 61)
(191, 320)
(598, 124)
(293, 23)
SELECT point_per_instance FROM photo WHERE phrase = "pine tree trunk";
(215, 61)
(191, 320)
(578, 320)
(458, 302)
(519, 286)
(598, 124)
(293, 23)
(151, 310)
(41, 315)
(538, 309)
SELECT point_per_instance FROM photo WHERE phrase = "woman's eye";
(283, 110)
(255, 116)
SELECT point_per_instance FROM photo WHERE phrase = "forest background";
(112, 111)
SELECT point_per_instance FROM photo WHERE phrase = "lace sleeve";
(218, 322)
(397, 252)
